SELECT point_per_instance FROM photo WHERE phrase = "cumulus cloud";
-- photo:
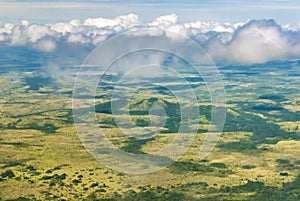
(45, 45)
(258, 41)
(254, 41)
(165, 20)
(123, 21)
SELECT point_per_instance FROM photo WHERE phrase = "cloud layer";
(255, 41)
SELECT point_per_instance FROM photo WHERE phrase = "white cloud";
(45, 45)
(25, 23)
(123, 20)
(6, 28)
(75, 22)
(36, 32)
(17, 38)
(249, 42)
(165, 20)
(78, 38)
(258, 41)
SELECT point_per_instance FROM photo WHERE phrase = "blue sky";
(255, 41)
(283, 11)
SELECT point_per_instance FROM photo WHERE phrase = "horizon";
(284, 12)
(250, 42)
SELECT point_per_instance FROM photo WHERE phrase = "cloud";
(254, 41)
(258, 41)
(45, 45)
(165, 20)
(78, 38)
(123, 21)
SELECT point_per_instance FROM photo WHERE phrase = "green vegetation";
(256, 158)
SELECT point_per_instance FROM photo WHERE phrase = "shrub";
(8, 174)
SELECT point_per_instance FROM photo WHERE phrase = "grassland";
(256, 158)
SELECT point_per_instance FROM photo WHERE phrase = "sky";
(283, 11)
(256, 32)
